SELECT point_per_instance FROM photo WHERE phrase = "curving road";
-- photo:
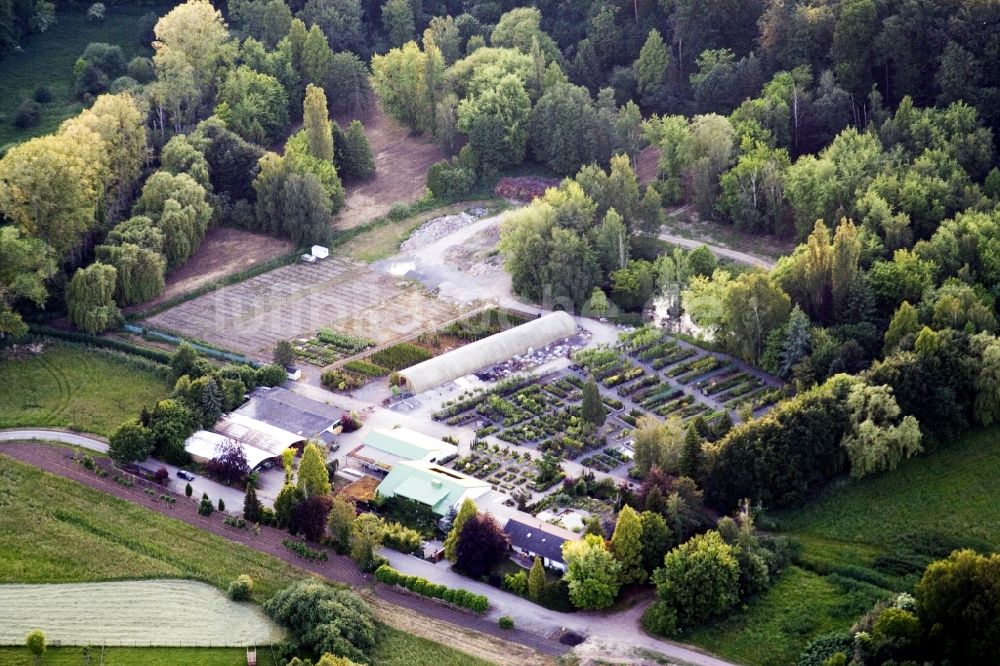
(607, 634)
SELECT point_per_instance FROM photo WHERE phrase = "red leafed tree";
(311, 514)
(230, 463)
(482, 546)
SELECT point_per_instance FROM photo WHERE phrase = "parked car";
(186, 475)
(292, 373)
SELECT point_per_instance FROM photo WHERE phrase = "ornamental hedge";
(459, 597)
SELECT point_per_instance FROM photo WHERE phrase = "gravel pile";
(439, 227)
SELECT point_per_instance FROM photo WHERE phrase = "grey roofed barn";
(290, 411)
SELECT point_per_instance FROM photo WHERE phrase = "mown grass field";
(69, 386)
(53, 530)
(394, 648)
(48, 58)
(864, 540)
(73, 656)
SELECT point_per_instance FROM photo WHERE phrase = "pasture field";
(136, 612)
(47, 58)
(70, 386)
(863, 540)
(53, 530)
(294, 301)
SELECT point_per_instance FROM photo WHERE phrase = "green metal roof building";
(431, 485)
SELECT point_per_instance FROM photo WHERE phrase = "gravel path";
(338, 568)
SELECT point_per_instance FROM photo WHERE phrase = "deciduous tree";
(466, 511)
(699, 579)
(592, 573)
(482, 546)
(90, 298)
(25, 264)
(130, 442)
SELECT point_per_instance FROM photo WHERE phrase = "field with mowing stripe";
(132, 612)
(863, 540)
(118, 656)
(69, 386)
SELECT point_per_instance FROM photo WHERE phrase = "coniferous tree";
(358, 159)
(536, 580)
(251, 505)
(592, 410)
(692, 457)
(626, 546)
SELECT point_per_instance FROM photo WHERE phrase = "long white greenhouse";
(488, 351)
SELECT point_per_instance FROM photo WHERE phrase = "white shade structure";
(488, 351)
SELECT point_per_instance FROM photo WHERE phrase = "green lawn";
(89, 390)
(53, 530)
(48, 59)
(863, 540)
(117, 656)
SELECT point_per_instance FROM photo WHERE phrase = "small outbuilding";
(486, 352)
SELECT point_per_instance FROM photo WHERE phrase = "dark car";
(187, 476)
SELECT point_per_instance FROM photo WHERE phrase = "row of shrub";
(304, 551)
(475, 602)
(155, 355)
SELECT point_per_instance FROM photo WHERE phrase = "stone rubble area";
(536, 357)
(439, 227)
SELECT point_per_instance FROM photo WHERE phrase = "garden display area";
(146, 612)
(332, 308)
(647, 373)
(63, 385)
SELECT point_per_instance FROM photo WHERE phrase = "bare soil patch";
(294, 301)
(224, 251)
(646, 164)
(401, 163)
